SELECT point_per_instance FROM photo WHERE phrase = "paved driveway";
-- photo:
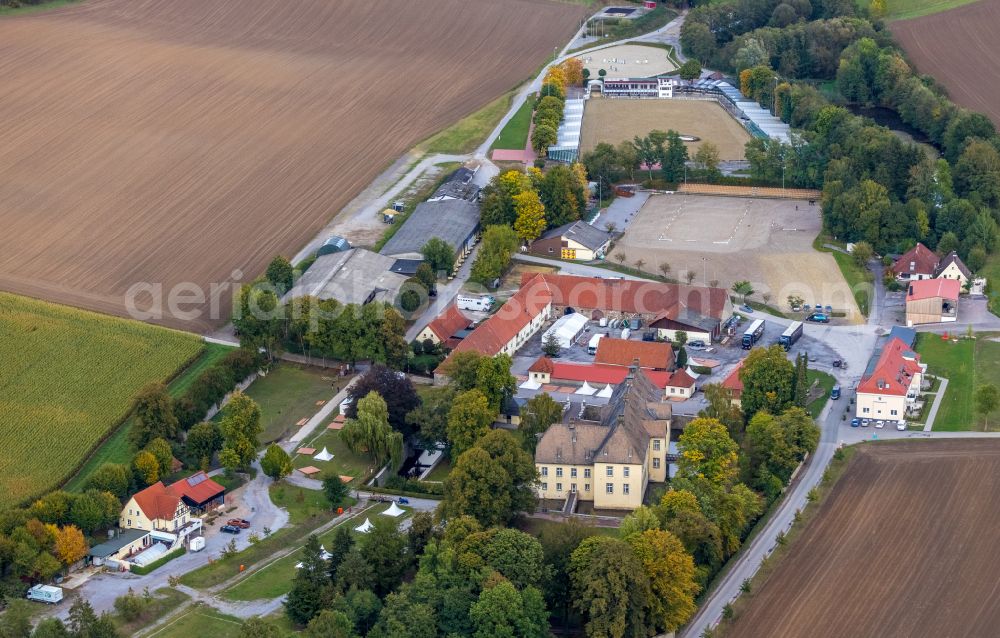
(620, 212)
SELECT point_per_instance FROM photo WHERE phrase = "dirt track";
(958, 47)
(614, 120)
(905, 546)
(728, 239)
(167, 142)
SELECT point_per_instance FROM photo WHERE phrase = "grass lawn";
(289, 394)
(906, 9)
(826, 382)
(165, 600)
(440, 471)
(67, 381)
(344, 462)
(32, 8)
(514, 135)
(275, 579)
(468, 133)
(305, 513)
(117, 449)
(201, 621)
(966, 364)
(858, 278)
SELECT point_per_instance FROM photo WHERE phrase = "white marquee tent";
(394, 511)
(365, 527)
(606, 392)
(586, 389)
(323, 456)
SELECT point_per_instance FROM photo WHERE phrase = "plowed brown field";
(168, 142)
(905, 546)
(958, 47)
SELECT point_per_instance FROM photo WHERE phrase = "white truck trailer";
(45, 594)
(482, 303)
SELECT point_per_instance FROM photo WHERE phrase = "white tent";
(394, 511)
(585, 389)
(530, 384)
(566, 328)
(325, 555)
(694, 375)
(606, 392)
(365, 527)
(323, 456)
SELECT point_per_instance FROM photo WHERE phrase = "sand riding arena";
(726, 239)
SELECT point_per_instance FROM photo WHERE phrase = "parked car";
(835, 392)
(855, 422)
(865, 422)
(239, 522)
(901, 425)
(402, 500)
(230, 529)
(746, 308)
(836, 363)
(696, 345)
(818, 317)
(880, 423)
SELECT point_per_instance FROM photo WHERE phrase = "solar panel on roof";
(197, 479)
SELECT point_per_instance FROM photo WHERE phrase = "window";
(586, 472)
(893, 412)
(572, 488)
(609, 488)
(558, 471)
(656, 463)
(130, 521)
(626, 472)
(572, 472)
(545, 487)
(586, 487)
(625, 489)
(866, 410)
(558, 487)
(545, 471)
(656, 442)
(610, 471)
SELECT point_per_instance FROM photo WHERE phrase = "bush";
(398, 485)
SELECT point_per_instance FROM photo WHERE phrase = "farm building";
(596, 379)
(680, 385)
(891, 382)
(171, 507)
(125, 543)
(610, 461)
(458, 186)
(667, 308)
(932, 301)
(333, 244)
(920, 262)
(952, 267)
(650, 355)
(578, 240)
(513, 324)
(446, 327)
(355, 276)
(456, 221)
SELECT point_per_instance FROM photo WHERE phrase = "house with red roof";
(170, 508)
(447, 328)
(680, 385)
(932, 301)
(734, 384)
(891, 383)
(920, 262)
(600, 376)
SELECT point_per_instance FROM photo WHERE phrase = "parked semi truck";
(475, 302)
(753, 334)
(790, 335)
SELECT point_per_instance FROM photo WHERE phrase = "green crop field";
(906, 9)
(67, 379)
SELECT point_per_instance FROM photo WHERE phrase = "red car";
(238, 522)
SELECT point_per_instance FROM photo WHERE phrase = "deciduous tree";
(276, 463)
(768, 378)
(706, 450)
(610, 588)
(154, 414)
(240, 427)
(530, 222)
(370, 433)
(280, 274)
(538, 413)
(439, 255)
(469, 419)
(669, 569)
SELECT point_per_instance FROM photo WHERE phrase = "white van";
(594, 341)
(45, 594)
(481, 303)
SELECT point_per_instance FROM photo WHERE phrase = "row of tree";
(609, 164)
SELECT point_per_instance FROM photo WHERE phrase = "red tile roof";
(544, 364)
(623, 352)
(919, 260)
(633, 296)
(680, 379)
(160, 501)
(893, 372)
(597, 373)
(733, 382)
(450, 321)
(930, 288)
(494, 333)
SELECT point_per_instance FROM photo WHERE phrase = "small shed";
(333, 244)
(124, 544)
